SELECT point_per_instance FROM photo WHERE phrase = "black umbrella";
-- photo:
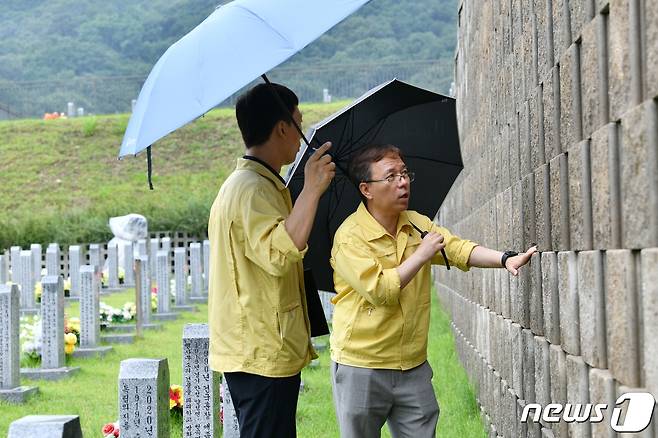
(419, 122)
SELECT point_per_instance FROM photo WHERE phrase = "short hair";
(258, 111)
(360, 162)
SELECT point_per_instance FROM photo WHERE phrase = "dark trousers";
(265, 406)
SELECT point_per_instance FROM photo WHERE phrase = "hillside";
(61, 180)
(52, 51)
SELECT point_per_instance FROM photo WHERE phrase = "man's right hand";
(429, 246)
(319, 170)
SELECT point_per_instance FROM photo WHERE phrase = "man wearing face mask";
(382, 268)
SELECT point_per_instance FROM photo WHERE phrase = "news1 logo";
(638, 413)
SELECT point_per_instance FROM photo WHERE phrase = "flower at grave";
(154, 303)
(122, 275)
(175, 397)
(105, 277)
(111, 430)
(70, 339)
(37, 291)
(130, 308)
(72, 325)
(67, 285)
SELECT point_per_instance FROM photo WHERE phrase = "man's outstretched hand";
(514, 263)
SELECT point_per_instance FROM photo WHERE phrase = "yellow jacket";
(257, 312)
(375, 324)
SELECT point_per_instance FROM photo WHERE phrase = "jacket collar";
(262, 168)
(374, 230)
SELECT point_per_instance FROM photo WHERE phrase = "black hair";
(258, 111)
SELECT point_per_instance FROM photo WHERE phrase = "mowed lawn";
(92, 393)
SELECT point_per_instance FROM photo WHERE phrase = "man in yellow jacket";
(382, 270)
(257, 314)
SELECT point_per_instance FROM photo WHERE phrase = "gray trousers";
(366, 398)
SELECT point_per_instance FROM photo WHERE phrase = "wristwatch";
(506, 255)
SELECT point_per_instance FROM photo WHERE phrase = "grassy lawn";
(93, 393)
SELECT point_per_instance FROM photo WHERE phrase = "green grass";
(93, 393)
(61, 179)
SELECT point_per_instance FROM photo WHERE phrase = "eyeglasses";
(395, 176)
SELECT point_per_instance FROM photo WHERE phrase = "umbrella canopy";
(421, 123)
(234, 45)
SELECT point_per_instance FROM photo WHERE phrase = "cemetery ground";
(92, 393)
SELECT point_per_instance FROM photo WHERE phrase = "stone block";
(528, 366)
(535, 295)
(594, 115)
(543, 12)
(580, 13)
(649, 327)
(559, 189)
(639, 176)
(542, 208)
(524, 139)
(578, 394)
(550, 297)
(602, 390)
(567, 263)
(580, 197)
(619, 69)
(536, 121)
(591, 299)
(528, 211)
(570, 101)
(621, 316)
(606, 202)
(515, 140)
(558, 361)
(517, 359)
(650, 14)
(551, 103)
(542, 371)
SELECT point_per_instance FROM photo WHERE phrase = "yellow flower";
(70, 339)
(37, 289)
(69, 348)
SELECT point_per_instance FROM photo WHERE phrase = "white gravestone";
(95, 256)
(10, 371)
(145, 291)
(144, 398)
(52, 260)
(15, 263)
(154, 247)
(195, 269)
(141, 247)
(75, 261)
(89, 310)
(128, 264)
(113, 266)
(4, 268)
(180, 276)
(200, 385)
(35, 248)
(46, 426)
(206, 265)
(26, 282)
(231, 425)
(162, 281)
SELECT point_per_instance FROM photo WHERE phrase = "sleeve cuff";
(282, 241)
(464, 255)
(391, 284)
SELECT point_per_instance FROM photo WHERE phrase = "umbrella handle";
(443, 251)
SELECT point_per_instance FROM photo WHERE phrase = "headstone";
(166, 245)
(81, 112)
(26, 282)
(113, 266)
(89, 310)
(52, 333)
(141, 247)
(206, 265)
(128, 265)
(46, 426)
(144, 398)
(35, 248)
(75, 261)
(179, 275)
(231, 425)
(145, 291)
(95, 256)
(70, 109)
(10, 385)
(15, 263)
(154, 247)
(195, 269)
(162, 281)
(200, 385)
(52, 259)
(4, 268)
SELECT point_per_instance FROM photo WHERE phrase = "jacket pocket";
(293, 334)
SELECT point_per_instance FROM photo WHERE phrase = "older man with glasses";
(381, 320)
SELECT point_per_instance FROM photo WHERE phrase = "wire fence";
(317, 83)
